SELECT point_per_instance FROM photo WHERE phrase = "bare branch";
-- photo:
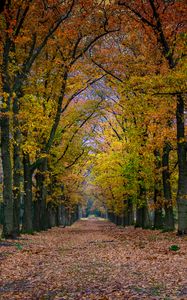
(22, 19)
(75, 160)
(80, 91)
(30, 60)
(91, 43)
(77, 130)
(136, 13)
(106, 71)
(114, 130)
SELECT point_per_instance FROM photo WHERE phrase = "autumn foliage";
(93, 98)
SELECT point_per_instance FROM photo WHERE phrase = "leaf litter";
(94, 260)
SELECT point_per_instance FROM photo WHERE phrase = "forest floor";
(94, 260)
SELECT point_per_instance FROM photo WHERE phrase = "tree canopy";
(93, 110)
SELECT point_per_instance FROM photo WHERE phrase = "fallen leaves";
(94, 260)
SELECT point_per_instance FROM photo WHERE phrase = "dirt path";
(94, 260)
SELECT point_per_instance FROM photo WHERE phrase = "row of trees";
(42, 48)
(91, 89)
(141, 163)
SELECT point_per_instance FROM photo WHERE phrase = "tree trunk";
(77, 212)
(74, 214)
(66, 216)
(16, 189)
(27, 199)
(128, 214)
(142, 213)
(51, 215)
(182, 161)
(111, 216)
(139, 217)
(41, 196)
(16, 169)
(169, 224)
(142, 217)
(115, 219)
(63, 217)
(58, 215)
(36, 214)
(8, 223)
(158, 218)
(119, 221)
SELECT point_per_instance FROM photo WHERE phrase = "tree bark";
(63, 218)
(58, 215)
(8, 224)
(27, 199)
(128, 214)
(51, 216)
(36, 213)
(142, 217)
(169, 224)
(16, 169)
(158, 217)
(119, 220)
(182, 162)
(16, 189)
(8, 221)
(142, 213)
(41, 195)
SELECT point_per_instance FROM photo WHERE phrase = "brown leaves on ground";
(94, 260)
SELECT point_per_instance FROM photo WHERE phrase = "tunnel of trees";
(93, 108)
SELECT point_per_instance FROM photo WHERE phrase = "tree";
(24, 43)
(20, 34)
(163, 23)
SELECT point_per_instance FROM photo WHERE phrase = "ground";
(94, 260)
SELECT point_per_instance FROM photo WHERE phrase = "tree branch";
(115, 131)
(105, 70)
(75, 160)
(30, 60)
(76, 131)
(80, 91)
(91, 43)
(22, 19)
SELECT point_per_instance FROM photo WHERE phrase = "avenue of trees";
(93, 106)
